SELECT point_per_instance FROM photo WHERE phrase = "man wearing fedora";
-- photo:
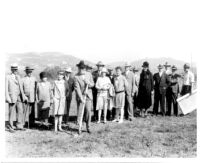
(96, 74)
(130, 92)
(82, 81)
(188, 80)
(173, 92)
(161, 82)
(29, 88)
(69, 79)
(14, 97)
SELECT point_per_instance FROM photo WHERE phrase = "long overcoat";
(145, 88)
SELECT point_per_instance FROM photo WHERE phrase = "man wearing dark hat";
(14, 97)
(96, 74)
(29, 88)
(161, 82)
(188, 80)
(130, 77)
(82, 80)
(173, 92)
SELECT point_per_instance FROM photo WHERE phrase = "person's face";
(173, 71)
(186, 69)
(160, 69)
(67, 73)
(100, 68)
(29, 73)
(44, 79)
(60, 76)
(118, 72)
(82, 70)
(111, 72)
(127, 68)
(145, 68)
(103, 74)
(14, 71)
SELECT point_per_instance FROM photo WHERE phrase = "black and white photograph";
(99, 80)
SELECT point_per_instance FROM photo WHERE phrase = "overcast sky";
(103, 30)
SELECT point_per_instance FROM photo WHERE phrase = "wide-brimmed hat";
(174, 67)
(160, 66)
(186, 65)
(167, 65)
(68, 69)
(145, 64)
(14, 66)
(43, 75)
(127, 64)
(81, 64)
(104, 70)
(28, 68)
(100, 64)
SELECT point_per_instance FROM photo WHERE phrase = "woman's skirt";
(102, 102)
(59, 106)
(119, 100)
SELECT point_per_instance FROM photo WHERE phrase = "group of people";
(115, 93)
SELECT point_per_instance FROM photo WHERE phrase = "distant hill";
(41, 61)
(49, 60)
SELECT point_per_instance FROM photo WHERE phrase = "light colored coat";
(130, 77)
(80, 85)
(60, 92)
(29, 87)
(14, 91)
(44, 95)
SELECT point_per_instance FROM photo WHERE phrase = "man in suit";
(96, 74)
(70, 81)
(82, 80)
(161, 82)
(173, 92)
(130, 77)
(29, 88)
(14, 97)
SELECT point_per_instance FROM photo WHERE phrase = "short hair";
(118, 68)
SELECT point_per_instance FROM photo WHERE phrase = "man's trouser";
(87, 112)
(129, 106)
(29, 110)
(186, 89)
(171, 99)
(19, 114)
(68, 109)
(159, 98)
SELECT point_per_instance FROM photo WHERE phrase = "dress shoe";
(89, 131)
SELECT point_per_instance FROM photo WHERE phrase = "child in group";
(121, 86)
(102, 85)
(44, 98)
(60, 90)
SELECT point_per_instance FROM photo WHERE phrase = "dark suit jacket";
(161, 83)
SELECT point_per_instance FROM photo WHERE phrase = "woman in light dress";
(60, 91)
(102, 85)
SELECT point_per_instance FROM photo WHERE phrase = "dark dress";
(145, 88)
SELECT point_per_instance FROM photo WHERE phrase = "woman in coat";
(44, 98)
(60, 92)
(145, 89)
